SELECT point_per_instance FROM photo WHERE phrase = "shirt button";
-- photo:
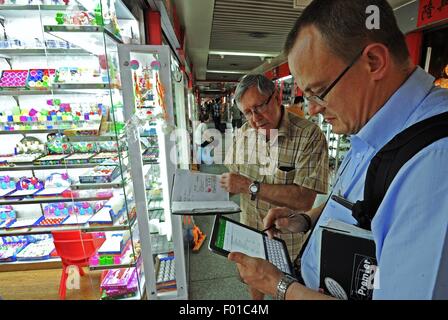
(358, 155)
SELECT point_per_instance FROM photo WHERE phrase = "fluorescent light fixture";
(229, 71)
(285, 78)
(244, 54)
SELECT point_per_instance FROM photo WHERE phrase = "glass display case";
(435, 53)
(147, 77)
(285, 87)
(65, 162)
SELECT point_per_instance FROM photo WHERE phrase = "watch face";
(253, 188)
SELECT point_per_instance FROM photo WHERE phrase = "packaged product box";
(100, 174)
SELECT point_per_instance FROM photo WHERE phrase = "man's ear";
(378, 59)
(277, 97)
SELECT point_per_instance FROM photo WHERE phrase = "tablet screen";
(232, 237)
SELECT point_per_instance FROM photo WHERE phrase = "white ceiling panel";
(239, 26)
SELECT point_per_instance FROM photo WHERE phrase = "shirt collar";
(283, 129)
(392, 117)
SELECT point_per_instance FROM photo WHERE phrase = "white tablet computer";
(231, 236)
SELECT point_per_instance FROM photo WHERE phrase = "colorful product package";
(13, 78)
(100, 174)
(40, 79)
(120, 282)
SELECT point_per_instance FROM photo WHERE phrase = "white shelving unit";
(146, 75)
(33, 34)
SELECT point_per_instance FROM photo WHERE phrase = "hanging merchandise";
(443, 81)
(161, 96)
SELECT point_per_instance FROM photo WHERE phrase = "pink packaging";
(118, 278)
(131, 287)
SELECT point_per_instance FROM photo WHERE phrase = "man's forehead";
(251, 96)
(309, 58)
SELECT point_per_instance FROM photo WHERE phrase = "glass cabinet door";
(146, 74)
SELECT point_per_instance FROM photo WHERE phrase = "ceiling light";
(228, 71)
(244, 54)
(285, 78)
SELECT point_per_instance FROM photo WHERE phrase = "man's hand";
(257, 273)
(235, 183)
(279, 219)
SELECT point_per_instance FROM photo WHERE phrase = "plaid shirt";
(302, 160)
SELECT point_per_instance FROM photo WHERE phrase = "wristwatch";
(283, 286)
(254, 188)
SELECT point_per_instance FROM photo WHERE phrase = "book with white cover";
(200, 193)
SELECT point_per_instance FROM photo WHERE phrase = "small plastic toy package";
(13, 78)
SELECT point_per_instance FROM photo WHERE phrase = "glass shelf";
(27, 265)
(35, 131)
(105, 137)
(83, 86)
(35, 7)
(49, 167)
(48, 200)
(11, 53)
(154, 162)
(90, 38)
(117, 266)
(85, 227)
(80, 138)
(26, 92)
(117, 183)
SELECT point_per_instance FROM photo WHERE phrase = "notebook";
(196, 193)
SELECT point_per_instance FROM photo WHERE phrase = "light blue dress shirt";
(410, 227)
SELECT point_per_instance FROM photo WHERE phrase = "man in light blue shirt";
(363, 82)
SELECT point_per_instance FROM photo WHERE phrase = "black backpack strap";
(388, 161)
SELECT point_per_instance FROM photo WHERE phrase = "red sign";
(431, 11)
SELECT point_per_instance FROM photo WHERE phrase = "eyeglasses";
(259, 109)
(319, 99)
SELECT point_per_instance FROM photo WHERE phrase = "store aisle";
(211, 276)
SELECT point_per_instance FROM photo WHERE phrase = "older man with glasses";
(299, 171)
(363, 82)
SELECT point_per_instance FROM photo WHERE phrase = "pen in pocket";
(342, 201)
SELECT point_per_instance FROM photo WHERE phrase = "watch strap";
(283, 286)
(309, 223)
(253, 195)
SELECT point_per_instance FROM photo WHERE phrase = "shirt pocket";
(284, 175)
(336, 211)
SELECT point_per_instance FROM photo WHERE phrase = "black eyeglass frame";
(259, 109)
(319, 99)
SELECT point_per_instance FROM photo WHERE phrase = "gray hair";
(264, 85)
(342, 24)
